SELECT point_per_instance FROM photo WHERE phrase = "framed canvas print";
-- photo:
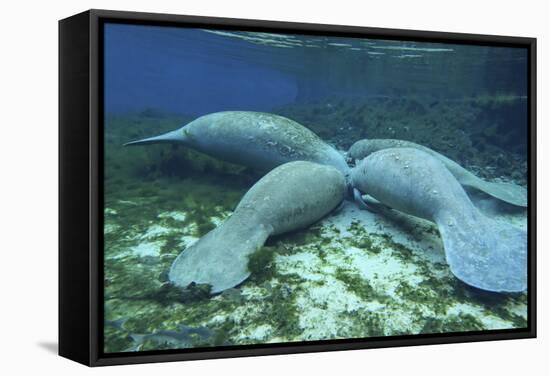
(235, 187)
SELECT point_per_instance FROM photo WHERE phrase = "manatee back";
(293, 196)
(507, 192)
(259, 140)
(363, 148)
(409, 180)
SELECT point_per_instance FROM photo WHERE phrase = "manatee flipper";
(484, 253)
(359, 200)
(220, 258)
(492, 207)
(507, 192)
(368, 203)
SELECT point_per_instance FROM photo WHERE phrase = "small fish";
(184, 337)
(117, 324)
(233, 295)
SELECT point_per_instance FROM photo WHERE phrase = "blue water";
(186, 71)
(194, 72)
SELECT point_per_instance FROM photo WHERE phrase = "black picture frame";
(81, 195)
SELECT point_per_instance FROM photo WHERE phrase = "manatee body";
(292, 196)
(480, 251)
(254, 139)
(507, 192)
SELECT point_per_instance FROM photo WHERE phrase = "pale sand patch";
(155, 231)
(176, 215)
(151, 249)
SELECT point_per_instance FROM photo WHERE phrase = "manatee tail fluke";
(220, 258)
(484, 253)
(177, 136)
(507, 192)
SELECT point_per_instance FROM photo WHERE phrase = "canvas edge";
(74, 217)
(92, 342)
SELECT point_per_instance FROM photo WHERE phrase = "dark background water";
(191, 71)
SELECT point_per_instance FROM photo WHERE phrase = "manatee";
(291, 196)
(507, 192)
(480, 251)
(253, 139)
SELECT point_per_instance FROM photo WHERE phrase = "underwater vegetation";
(353, 274)
(479, 132)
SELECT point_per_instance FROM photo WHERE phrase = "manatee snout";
(175, 136)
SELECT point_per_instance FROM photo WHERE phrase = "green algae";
(423, 296)
(301, 237)
(453, 324)
(261, 264)
(362, 238)
(115, 340)
(204, 226)
(278, 303)
(143, 184)
(454, 127)
(369, 324)
(282, 313)
(359, 286)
